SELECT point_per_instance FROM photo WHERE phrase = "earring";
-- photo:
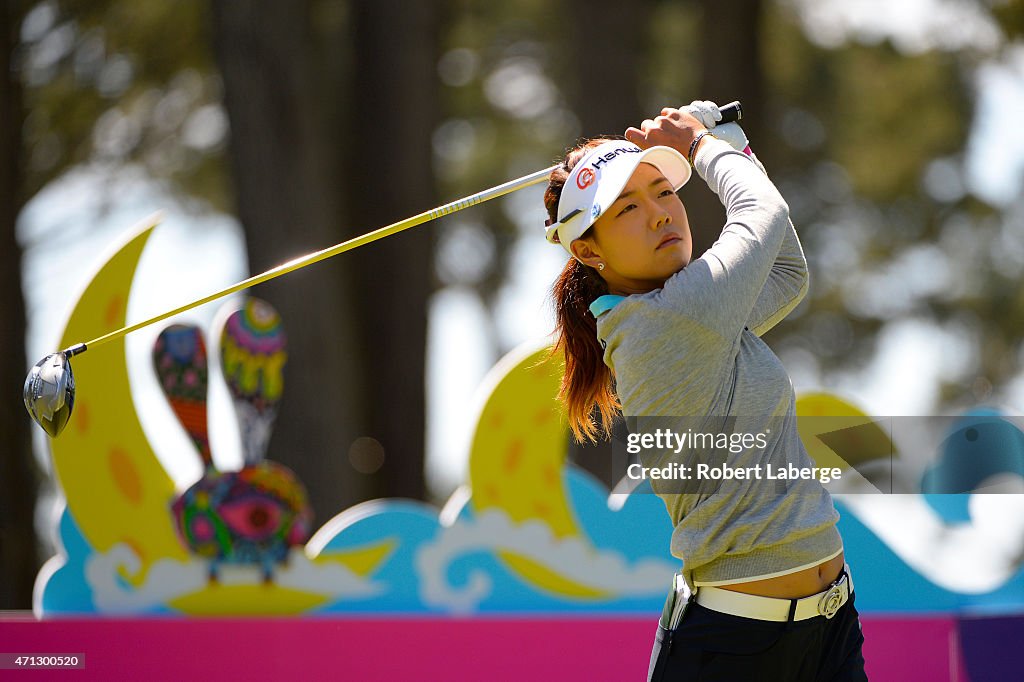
(600, 266)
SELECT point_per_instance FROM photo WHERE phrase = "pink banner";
(528, 648)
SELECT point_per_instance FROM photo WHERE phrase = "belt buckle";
(832, 600)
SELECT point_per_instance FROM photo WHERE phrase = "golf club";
(50, 385)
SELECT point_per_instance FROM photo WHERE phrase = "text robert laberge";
(677, 471)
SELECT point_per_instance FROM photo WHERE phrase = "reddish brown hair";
(587, 380)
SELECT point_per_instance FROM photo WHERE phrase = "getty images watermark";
(980, 451)
(663, 440)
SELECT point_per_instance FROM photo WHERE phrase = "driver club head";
(50, 392)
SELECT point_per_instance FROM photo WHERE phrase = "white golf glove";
(709, 115)
(706, 112)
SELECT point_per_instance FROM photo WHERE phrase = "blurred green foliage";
(867, 142)
(123, 82)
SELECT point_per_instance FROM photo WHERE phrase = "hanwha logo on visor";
(585, 179)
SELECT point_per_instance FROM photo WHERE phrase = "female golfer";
(763, 593)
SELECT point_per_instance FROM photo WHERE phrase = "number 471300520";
(41, 661)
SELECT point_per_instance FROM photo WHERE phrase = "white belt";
(825, 603)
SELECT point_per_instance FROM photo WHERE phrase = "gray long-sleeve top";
(691, 351)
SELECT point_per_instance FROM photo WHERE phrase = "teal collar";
(603, 304)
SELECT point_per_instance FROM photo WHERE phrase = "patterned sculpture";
(255, 515)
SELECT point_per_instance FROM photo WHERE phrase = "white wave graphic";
(329, 578)
(165, 580)
(168, 579)
(573, 558)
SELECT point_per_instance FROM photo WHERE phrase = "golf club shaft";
(317, 256)
(730, 112)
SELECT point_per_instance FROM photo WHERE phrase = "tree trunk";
(286, 198)
(732, 69)
(608, 55)
(19, 560)
(390, 177)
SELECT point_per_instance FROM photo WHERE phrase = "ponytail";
(587, 380)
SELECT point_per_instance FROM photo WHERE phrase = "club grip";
(731, 112)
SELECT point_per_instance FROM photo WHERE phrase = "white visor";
(597, 180)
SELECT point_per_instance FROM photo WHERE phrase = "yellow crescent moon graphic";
(517, 455)
(116, 489)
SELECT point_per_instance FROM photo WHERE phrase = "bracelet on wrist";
(696, 141)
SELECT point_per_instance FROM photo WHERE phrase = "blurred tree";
(287, 200)
(389, 176)
(19, 558)
(606, 64)
(856, 155)
(105, 88)
(731, 68)
(361, 435)
(502, 116)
